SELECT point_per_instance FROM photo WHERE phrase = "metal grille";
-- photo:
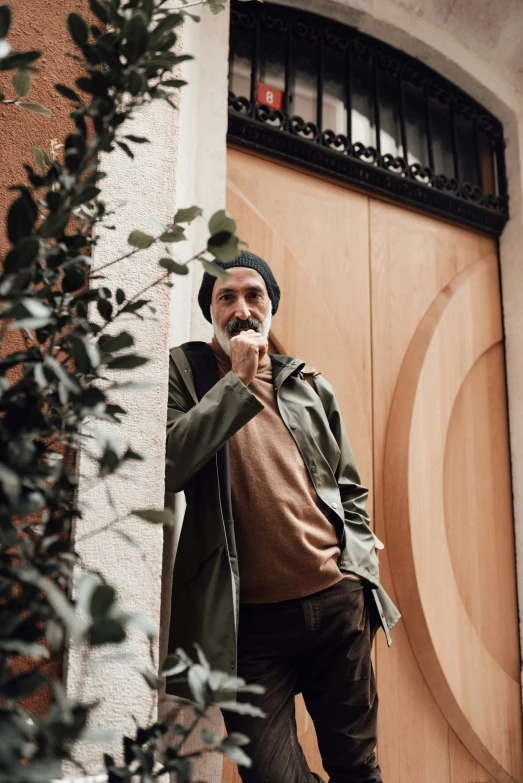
(324, 96)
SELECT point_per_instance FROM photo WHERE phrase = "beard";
(223, 336)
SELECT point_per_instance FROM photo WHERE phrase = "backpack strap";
(206, 374)
(203, 365)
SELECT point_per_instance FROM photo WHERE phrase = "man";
(276, 574)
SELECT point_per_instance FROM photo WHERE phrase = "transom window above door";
(314, 92)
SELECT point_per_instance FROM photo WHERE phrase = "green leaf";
(35, 107)
(106, 631)
(126, 362)
(155, 515)
(173, 266)
(22, 82)
(144, 624)
(39, 314)
(136, 38)
(221, 221)
(140, 239)
(67, 92)
(99, 10)
(210, 737)
(19, 647)
(62, 374)
(223, 246)
(21, 217)
(153, 681)
(89, 193)
(166, 25)
(102, 599)
(187, 215)
(179, 731)
(235, 753)
(41, 159)
(23, 685)
(56, 597)
(216, 6)
(174, 83)
(181, 58)
(176, 234)
(98, 735)
(157, 224)
(86, 355)
(73, 279)
(21, 255)
(78, 29)
(176, 663)
(242, 708)
(215, 270)
(18, 60)
(136, 82)
(197, 677)
(5, 20)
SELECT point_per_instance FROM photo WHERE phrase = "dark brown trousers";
(319, 646)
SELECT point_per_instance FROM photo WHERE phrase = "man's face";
(240, 304)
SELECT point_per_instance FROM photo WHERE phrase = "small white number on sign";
(269, 96)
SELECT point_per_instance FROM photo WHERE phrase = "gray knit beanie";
(244, 259)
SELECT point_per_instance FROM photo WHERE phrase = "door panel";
(440, 454)
(401, 312)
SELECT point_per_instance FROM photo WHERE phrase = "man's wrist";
(241, 378)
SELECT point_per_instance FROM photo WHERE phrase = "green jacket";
(204, 411)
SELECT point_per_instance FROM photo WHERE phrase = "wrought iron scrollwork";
(441, 182)
(299, 127)
(274, 22)
(239, 103)
(472, 193)
(336, 141)
(334, 39)
(361, 50)
(242, 18)
(389, 63)
(307, 39)
(308, 31)
(267, 114)
(395, 165)
(422, 174)
(367, 154)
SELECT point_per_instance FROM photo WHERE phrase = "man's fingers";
(249, 336)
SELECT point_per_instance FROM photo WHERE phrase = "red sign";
(270, 96)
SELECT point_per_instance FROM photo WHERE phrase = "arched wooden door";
(401, 312)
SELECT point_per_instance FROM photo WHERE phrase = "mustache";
(237, 325)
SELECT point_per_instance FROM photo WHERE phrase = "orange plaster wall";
(36, 24)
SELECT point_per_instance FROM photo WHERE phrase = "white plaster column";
(147, 186)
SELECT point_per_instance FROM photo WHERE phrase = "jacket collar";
(282, 367)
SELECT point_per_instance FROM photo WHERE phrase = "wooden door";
(401, 312)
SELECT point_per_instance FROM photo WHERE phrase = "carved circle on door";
(463, 676)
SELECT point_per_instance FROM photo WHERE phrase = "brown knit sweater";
(287, 548)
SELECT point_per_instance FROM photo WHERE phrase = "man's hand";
(247, 349)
